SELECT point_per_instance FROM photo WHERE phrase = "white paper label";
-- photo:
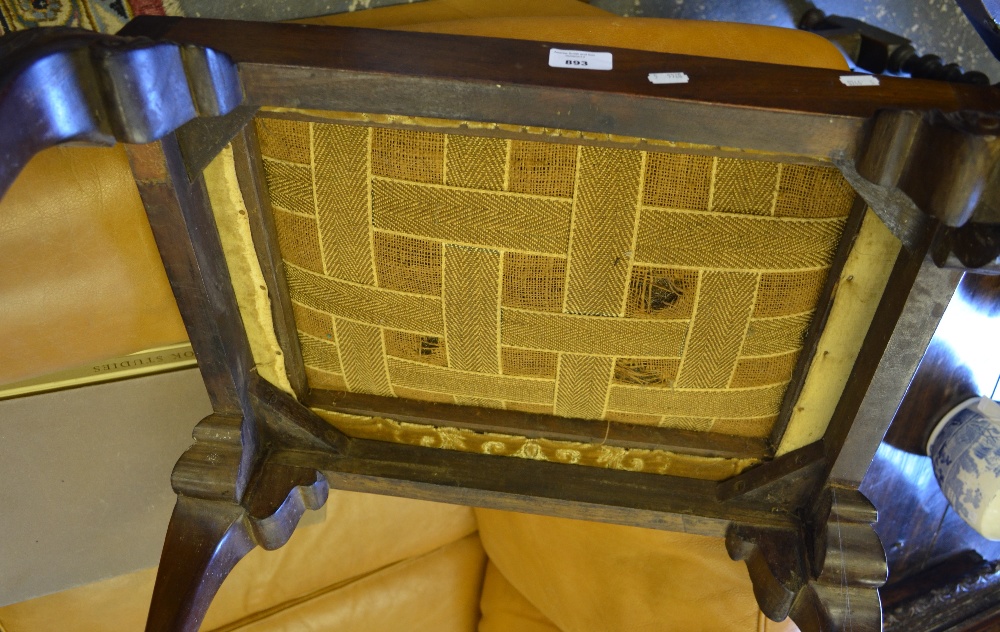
(859, 80)
(668, 77)
(579, 59)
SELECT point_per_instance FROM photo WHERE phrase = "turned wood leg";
(204, 542)
(825, 576)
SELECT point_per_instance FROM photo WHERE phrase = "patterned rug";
(108, 16)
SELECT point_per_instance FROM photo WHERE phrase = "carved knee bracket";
(223, 511)
(279, 497)
(918, 167)
(211, 468)
(207, 538)
(825, 576)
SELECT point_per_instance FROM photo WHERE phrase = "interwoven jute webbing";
(584, 281)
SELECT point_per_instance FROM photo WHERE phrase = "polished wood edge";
(204, 542)
(110, 88)
(183, 226)
(648, 500)
(884, 322)
(207, 538)
(209, 531)
(495, 60)
(533, 425)
(914, 164)
(761, 107)
(911, 307)
(799, 111)
(290, 424)
(202, 139)
(279, 495)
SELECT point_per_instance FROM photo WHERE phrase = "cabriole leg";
(204, 542)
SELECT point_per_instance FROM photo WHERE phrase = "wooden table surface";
(917, 526)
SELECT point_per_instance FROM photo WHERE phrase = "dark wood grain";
(788, 476)
(207, 538)
(901, 279)
(917, 526)
(913, 302)
(917, 585)
(202, 139)
(204, 542)
(63, 85)
(710, 444)
(492, 60)
(959, 594)
(289, 424)
(726, 103)
(180, 215)
(956, 535)
(280, 494)
(499, 482)
(809, 577)
(911, 509)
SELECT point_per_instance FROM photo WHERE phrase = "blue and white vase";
(965, 452)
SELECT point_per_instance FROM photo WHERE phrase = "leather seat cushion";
(575, 22)
(81, 278)
(362, 536)
(585, 576)
(505, 609)
(436, 592)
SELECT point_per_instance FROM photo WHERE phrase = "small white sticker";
(859, 80)
(579, 59)
(668, 77)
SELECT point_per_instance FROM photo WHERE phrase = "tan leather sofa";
(81, 281)
(381, 564)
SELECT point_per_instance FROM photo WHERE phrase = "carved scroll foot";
(825, 578)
